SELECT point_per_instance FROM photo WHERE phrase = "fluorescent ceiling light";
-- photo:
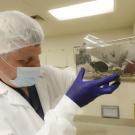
(94, 7)
(92, 41)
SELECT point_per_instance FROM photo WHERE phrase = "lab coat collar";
(14, 98)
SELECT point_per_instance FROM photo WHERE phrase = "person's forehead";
(28, 51)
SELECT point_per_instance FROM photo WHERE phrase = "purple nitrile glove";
(83, 92)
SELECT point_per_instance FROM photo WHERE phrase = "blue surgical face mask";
(27, 76)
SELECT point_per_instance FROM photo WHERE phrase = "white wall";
(58, 51)
(134, 29)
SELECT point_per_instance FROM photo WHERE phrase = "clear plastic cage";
(101, 58)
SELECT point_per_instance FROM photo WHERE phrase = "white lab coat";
(17, 117)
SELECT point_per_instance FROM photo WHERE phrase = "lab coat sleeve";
(59, 121)
(70, 75)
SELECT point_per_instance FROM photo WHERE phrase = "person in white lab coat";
(36, 100)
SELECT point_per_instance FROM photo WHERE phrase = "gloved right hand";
(82, 92)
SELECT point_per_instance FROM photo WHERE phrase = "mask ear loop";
(8, 65)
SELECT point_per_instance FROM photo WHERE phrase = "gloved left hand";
(82, 92)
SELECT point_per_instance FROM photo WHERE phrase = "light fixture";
(91, 8)
(91, 41)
